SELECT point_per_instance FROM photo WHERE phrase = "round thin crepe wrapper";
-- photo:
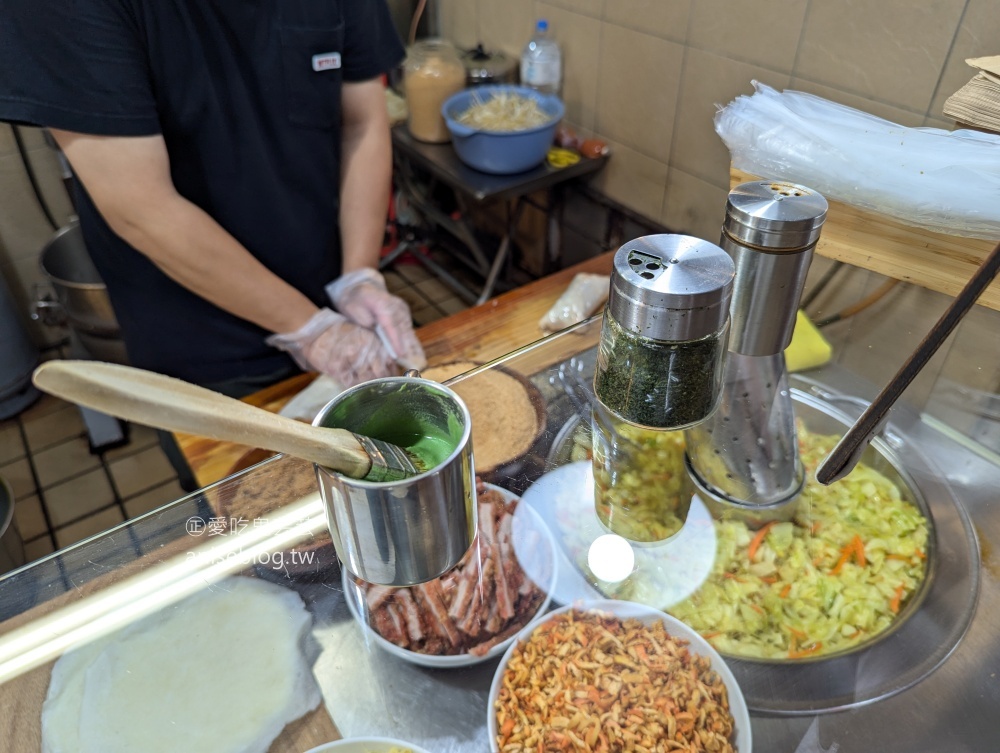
(221, 671)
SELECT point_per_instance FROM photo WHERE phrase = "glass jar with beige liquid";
(433, 72)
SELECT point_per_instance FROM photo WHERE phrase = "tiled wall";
(647, 75)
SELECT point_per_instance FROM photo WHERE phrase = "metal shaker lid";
(671, 287)
(775, 215)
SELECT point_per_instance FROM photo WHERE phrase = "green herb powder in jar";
(665, 331)
(658, 384)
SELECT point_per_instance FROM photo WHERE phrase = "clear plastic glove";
(361, 296)
(332, 345)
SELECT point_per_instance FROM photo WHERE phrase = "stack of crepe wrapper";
(977, 104)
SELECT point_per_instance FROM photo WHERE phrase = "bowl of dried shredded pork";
(471, 613)
(615, 676)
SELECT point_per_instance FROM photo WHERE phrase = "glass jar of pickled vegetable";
(642, 490)
(432, 73)
(666, 327)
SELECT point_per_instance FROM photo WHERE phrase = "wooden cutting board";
(482, 333)
(21, 699)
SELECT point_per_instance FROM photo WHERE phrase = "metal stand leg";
(398, 251)
(502, 252)
(436, 269)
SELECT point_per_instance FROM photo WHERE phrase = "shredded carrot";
(786, 590)
(711, 635)
(757, 608)
(758, 539)
(814, 528)
(855, 549)
(894, 604)
(798, 654)
(859, 550)
(845, 555)
(921, 555)
(796, 633)
(770, 579)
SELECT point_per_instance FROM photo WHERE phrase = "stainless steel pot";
(11, 548)
(486, 67)
(411, 531)
(81, 298)
(80, 292)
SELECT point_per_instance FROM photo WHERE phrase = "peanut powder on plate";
(590, 681)
(504, 421)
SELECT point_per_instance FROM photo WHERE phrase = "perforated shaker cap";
(775, 215)
(671, 287)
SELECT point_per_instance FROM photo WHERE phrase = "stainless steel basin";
(928, 628)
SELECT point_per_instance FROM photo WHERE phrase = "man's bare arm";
(366, 172)
(129, 180)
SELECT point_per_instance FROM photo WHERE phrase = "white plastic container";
(541, 61)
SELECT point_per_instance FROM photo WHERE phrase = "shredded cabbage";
(641, 487)
(835, 577)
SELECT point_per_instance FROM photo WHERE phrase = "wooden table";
(419, 167)
(482, 333)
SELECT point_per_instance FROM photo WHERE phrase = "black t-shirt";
(246, 94)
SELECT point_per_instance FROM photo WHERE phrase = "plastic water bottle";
(541, 61)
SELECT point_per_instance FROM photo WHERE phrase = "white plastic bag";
(581, 299)
(948, 181)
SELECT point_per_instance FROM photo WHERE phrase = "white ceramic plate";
(626, 609)
(366, 745)
(664, 573)
(533, 561)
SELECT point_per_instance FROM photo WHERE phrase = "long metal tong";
(848, 451)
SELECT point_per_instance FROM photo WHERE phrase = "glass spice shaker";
(642, 490)
(665, 332)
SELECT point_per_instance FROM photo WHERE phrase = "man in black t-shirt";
(233, 164)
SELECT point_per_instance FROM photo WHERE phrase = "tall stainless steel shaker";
(745, 458)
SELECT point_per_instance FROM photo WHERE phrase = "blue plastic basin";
(501, 152)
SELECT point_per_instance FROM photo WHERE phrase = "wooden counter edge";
(482, 333)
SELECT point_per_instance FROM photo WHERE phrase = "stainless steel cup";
(405, 532)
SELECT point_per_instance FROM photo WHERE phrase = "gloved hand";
(361, 297)
(332, 345)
